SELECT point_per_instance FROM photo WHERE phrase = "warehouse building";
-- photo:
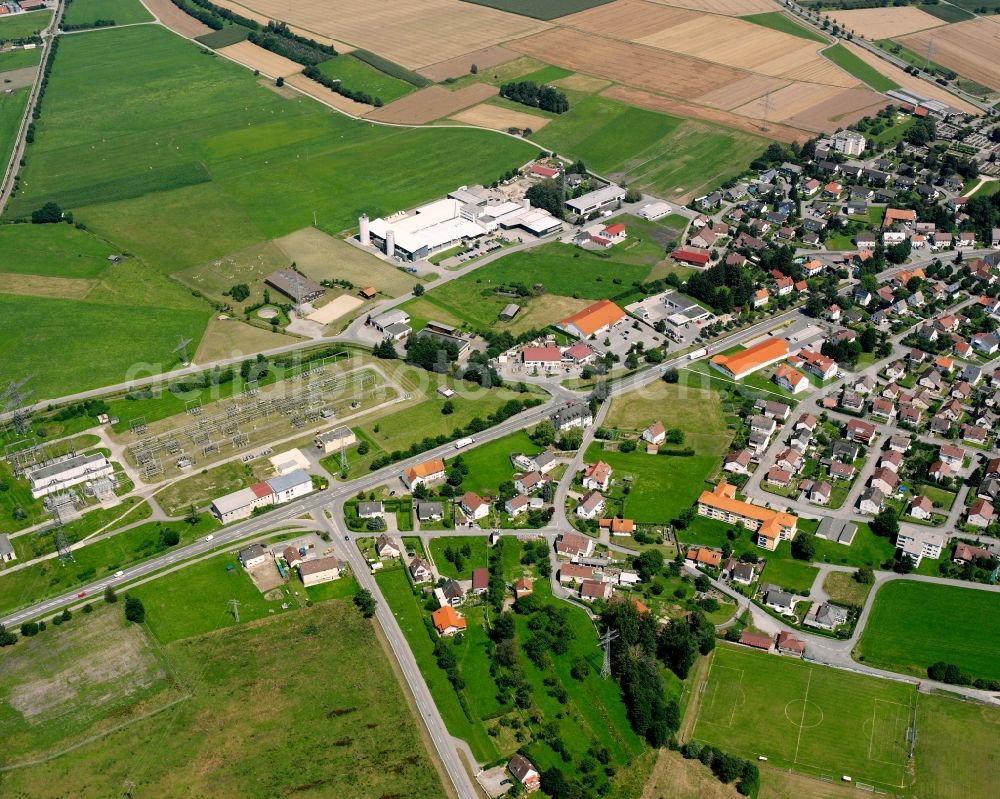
(59, 476)
(276, 491)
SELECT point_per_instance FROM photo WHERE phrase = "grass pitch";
(913, 625)
(950, 731)
(809, 718)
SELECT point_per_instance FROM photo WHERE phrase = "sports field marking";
(888, 734)
(736, 695)
(805, 705)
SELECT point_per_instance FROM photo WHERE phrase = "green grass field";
(489, 465)
(913, 625)
(11, 112)
(674, 157)
(23, 26)
(775, 20)
(950, 731)
(951, 12)
(796, 715)
(476, 560)
(361, 77)
(230, 34)
(123, 12)
(548, 10)
(863, 71)
(277, 708)
(52, 250)
(793, 575)
(16, 59)
(988, 189)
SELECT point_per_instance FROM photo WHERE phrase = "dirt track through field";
(176, 20)
(486, 58)
(884, 23)
(499, 118)
(970, 48)
(414, 33)
(432, 103)
(254, 57)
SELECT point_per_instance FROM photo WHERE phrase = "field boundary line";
(805, 705)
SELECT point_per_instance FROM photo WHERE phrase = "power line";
(235, 605)
(605, 642)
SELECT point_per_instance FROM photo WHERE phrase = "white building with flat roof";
(596, 200)
(59, 476)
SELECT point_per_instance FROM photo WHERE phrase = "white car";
(209, 537)
(119, 574)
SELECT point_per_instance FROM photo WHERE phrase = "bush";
(135, 612)
(29, 629)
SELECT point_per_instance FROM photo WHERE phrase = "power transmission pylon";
(930, 54)
(182, 350)
(343, 458)
(767, 108)
(235, 605)
(605, 642)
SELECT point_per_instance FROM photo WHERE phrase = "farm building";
(748, 361)
(295, 286)
(55, 477)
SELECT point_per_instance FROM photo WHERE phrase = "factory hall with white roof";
(468, 212)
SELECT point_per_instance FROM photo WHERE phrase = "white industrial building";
(59, 476)
(276, 491)
(655, 210)
(466, 214)
(611, 194)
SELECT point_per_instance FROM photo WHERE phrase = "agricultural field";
(913, 625)
(949, 12)
(949, 731)
(549, 11)
(123, 12)
(862, 70)
(780, 22)
(177, 751)
(12, 108)
(673, 156)
(498, 115)
(884, 23)
(434, 102)
(794, 714)
(23, 26)
(414, 33)
(358, 76)
(969, 48)
(257, 58)
(19, 58)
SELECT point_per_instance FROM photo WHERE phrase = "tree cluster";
(727, 768)
(527, 92)
(547, 195)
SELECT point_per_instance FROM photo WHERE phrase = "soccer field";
(813, 719)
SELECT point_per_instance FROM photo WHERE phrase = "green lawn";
(221, 163)
(795, 714)
(409, 614)
(489, 465)
(11, 112)
(863, 71)
(663, 485)
(951, 731)
(673, 156)
(988, 189)
(253, 690)
(52, 251)
(913, 625)
(359, 76)
(23, 26)
(792, 575)
(779, 22)
(123, 12)
(475, 560)
(16, 59)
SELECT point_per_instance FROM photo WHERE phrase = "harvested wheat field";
(327, 97)
(457, 67)
(250, 55)
(740, 44)
(623, 62)
(908, 81)
(432, 103)
(678, 108)
(414, 33)
(582, 83)
(884, 23)
(793, 99)
(628, 19)
(231, 338)
(248, 12)
(499, 118)
(172, 18)
(843, 109)
(970, 48)
(739, 93)
(729, 8)
(66, 288)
